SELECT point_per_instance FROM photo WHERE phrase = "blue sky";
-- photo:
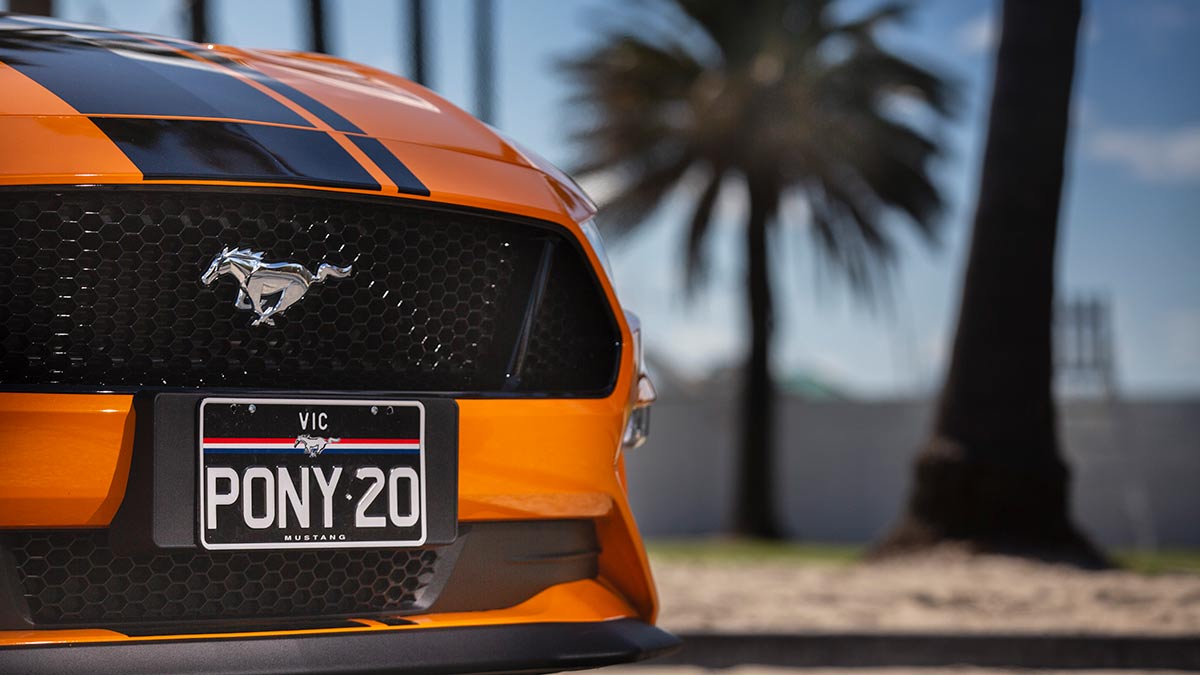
(1131, 219)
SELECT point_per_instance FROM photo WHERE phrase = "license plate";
(311, 473)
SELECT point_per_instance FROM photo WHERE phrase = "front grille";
(76, 578)
(101, 288)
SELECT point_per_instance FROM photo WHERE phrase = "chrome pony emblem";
(267, 288)
(313, 445)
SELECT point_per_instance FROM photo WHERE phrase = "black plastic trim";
(516, 364)
(261, 391)
(528, 648)
(172, 149)
(244, 626)
(505, 563)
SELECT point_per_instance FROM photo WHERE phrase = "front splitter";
(525, 648)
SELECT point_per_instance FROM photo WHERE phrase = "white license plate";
(311, 473)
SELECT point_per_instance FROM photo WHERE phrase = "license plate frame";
(355, 448)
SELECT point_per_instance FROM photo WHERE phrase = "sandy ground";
(768, 670)
(940, 592)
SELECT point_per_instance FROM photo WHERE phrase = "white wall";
(843, 468)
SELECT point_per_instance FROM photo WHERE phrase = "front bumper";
(519, 460)
(528, 648)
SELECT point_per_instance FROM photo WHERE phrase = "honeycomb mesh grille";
(102, 288)
(76, 578)
(563, 335)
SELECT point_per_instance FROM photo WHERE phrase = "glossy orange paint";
(64, 458)
(519, 459)
(27, 98)
(383, 105)
(577, 601)
(475, 166)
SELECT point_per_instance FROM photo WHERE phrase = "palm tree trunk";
(755, 507)
(485, 69)
(416, 27)
(35, 7)
(198, 12)
(993, 476)
(318, 27)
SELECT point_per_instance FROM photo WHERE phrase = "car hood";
(91, 104)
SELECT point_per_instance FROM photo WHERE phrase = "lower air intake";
(72, 578)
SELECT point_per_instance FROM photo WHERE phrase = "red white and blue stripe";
(288, 446)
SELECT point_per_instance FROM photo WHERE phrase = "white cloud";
(978, 35)
(1155, 155)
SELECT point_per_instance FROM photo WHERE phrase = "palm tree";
(798, 107)
(485, 67)
(992, 476)
(198, 18)
(318, 27)
(417, 40)
(35, 7)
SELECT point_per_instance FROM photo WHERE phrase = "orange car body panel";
(66, 456)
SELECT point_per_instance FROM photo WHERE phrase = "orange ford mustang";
(301, 368)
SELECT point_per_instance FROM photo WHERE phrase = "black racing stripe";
(101, 73)
(195, 150)
(391, 165)
(404, 179)
(322, 111)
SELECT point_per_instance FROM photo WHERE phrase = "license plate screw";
(253, 408)
(374, 410)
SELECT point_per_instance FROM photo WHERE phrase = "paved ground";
(937, 593)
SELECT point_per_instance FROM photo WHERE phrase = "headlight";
(638, 427)
(593, 236)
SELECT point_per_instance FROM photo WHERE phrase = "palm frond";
(871, 73)
(865, 26)
(796, 100)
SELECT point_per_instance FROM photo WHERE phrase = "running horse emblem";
(267, 288)
(313, 445)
